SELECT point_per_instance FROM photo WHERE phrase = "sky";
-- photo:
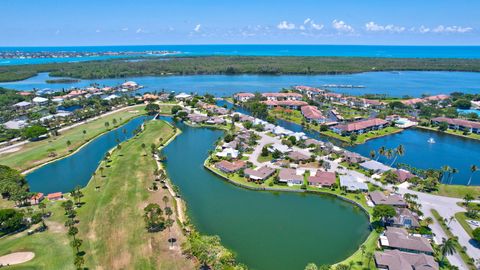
(152, 22)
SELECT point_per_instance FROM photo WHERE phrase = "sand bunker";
(16, 258)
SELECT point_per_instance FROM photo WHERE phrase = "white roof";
(280, 147)
(375, 165)
(57, 99)
(15, 124)
(183, 95)
(351, 183)
(39, 99)
(111, 97)
(130, 83)
(228, 152)
(22, 104)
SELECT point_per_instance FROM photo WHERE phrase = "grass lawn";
(35, 153)
(361, 261)
(111, 221)
(452, 132)
(166, 108)
(458, 191)
(462, 219)
(362, 138)
(52, 248)
(466, 259)
(294, 116)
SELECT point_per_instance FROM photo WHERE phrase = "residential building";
(55, 196)
(350, 183)
(282, 96)
(398, 238)
(360, 127)
(130, 85)
(403, 175)
(183, 96)
(228, 153)
(398, 260)
(36, 199)
(243, 97)
(458, 124)
(22, 105)
(379, 198)
(297, 156)
(282, 148)
(404, 218)
(312, 114)
(289, 104)
(230, 167)
(15, 124)
(40, 101)
(311, 92)
(290, 177)
(375, 166)
(322, 179)
(197, 118)
(260, 174)
(351, 157)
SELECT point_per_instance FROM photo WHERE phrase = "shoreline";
(447, 133)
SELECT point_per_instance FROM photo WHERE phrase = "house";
(289, 104)
(375, 166)
(458, 124)
(290, 177)
(351, 157)
(403, 175)
(311, 92)
(297, 156)
(404, 218)
(22, 105)
(279, 147)
(58, 100)
(26, 94)
(322, 179)
(228, 152)
(379, 198)
(15, 124)
(183, 96)
(309, 142)
(130, 85)
(215, 121)
(259, 174)
(399, 260)
(40, 101)
(55, 196)
(230, 167)
(197, 118)
(37, 198)
(282, 96)
(360, 127)
(111, 97)
(398, 238)
(242, 97)
(312, 114)
(350, 183)
(336, 116)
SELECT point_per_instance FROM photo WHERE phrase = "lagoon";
(65, 174)
(266, 230)
(397, 84)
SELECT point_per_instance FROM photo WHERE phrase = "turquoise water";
(268, 231)
(412, 83)
(261, 50)
(463, 111)
(65, 174)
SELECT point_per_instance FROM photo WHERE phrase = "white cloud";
(197, 28)
(140, 30)
(97, 31)
(124, 29)
(374, 27)
(316, 26)
(342, 26)
(451, 29)
(57, 32)
(284, 25)
(307, 20)
(301, 27)
(423, 29)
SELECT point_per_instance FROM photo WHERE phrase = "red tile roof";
(53, 196)
(244, 95)
(359, 125)
(234, 166)
(282, 95)
(311, 112)
(457, 122)
(323, 178)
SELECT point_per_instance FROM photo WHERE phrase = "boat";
(431, 140)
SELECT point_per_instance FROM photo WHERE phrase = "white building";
(228, 152)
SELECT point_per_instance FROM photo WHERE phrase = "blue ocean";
(257, 50)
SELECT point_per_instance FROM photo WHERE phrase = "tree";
(176, 109)
(77, 194)
(476, 234)
(79, 262)
(144, 147)
(76, 244)
(467, 199)
(153, 217)
(443, 126)
(399, 151)
(342, 267)
(73, 231)
(107, 124)
(84, 132)
(265, 151)
(165, 200)
(33, 132)
(353, 138)
(447, 247)
(311, 266)
(369, 256)
(473, 169)
(11, 182)
(11, 220)
(383, 211)
(152, 108)
(42, 206)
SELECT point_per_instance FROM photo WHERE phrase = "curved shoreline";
(29, 170)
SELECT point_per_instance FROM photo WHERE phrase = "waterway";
(266, 230)
(255, 50)
(65, 174)
(398, 84)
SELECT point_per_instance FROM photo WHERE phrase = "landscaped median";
(37, 153)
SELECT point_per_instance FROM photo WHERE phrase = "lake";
(398, 84)
(267, 230)
(77, 169)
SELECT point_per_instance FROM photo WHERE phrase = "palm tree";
(467, 199)
(381, 151)
(453, 172)
(473, 169)
(143, 147)
(446, 170)
(165, 200)
(372, 154)
(42, 205)
(447, 247)
(101, 171)
(77, 243)
(84, 132)
(68, 145)
(399, 151)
